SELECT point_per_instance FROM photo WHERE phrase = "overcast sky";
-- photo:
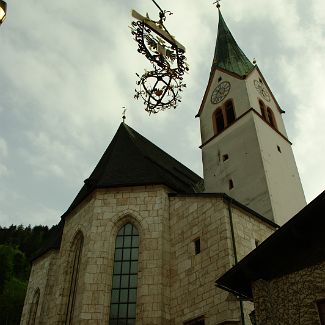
(68, 67)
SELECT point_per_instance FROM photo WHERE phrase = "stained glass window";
(125, 277)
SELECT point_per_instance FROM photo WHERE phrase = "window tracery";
(125, 276)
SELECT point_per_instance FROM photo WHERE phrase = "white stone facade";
(174, 283)
(261, 163)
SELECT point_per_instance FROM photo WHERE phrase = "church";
(145, 238)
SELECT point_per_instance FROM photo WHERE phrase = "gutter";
(242, 316)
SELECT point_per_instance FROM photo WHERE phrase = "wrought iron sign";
(159, 88)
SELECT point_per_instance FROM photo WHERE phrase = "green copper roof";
(228, 55)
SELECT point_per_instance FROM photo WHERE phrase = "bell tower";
(246, 152)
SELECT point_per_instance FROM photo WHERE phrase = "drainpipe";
(235, 254)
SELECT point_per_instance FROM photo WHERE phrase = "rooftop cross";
(218, 3)
(123, 114)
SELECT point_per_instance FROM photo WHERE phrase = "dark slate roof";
(228, 55)
(298, 244)
(132, 160)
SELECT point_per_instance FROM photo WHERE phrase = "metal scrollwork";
(160, 88)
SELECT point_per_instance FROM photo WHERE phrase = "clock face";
(262, 90)
(220, 92)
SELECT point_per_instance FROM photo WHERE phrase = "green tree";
(14, 270)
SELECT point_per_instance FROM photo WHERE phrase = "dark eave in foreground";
(298, 244)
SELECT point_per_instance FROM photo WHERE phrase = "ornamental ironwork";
(159, 88)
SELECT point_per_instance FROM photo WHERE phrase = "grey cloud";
(68, 69)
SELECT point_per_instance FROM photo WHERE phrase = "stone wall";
(99, 218)
(249, 232)
(39, 279)
(290, 299)
(193, 291)
(174, 283)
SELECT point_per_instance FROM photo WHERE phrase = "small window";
(279, 149)
(231, 184)
(197, 244)
(225, 157)
(321, 311)
(219, 79)
(196, 321)
(219, 121)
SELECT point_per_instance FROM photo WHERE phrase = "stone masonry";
(290, 299)
(174, 283)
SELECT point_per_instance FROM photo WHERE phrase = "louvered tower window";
(263, 110)
(224, 116)
(125, 276)
(271, 118)
(219, 120)
(230, 112)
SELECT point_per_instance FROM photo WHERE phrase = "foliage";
(17, 245)
(27, 239)
(14, 271)
(12, 301)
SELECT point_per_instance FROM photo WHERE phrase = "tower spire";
(228, 55)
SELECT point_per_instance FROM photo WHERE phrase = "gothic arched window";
(230, 112)
(125, 277)
(220, 123)
(33, 308)
(262, 107)
(224, 116)
(271, 118)
(75, 265)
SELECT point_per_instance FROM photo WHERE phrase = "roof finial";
(218, 3)
(123, 114)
